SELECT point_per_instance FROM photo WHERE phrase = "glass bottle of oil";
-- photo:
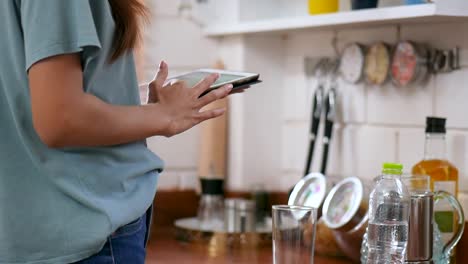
(444, 175)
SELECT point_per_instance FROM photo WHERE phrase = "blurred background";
(263, 141)
(268, 125)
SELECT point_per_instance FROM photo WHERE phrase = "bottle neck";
(435, 146)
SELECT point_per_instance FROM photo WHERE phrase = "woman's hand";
(181, 105)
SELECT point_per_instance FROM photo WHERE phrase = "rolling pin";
(213, 149)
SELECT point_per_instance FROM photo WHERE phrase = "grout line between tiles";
(379, 125)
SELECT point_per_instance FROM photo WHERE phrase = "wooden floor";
(164, 249)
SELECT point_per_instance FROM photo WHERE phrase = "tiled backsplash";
(377, 124)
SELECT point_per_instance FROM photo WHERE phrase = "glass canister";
(311, 191)
(317, 7)
(345, 212)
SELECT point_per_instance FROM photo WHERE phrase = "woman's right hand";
(181, 105)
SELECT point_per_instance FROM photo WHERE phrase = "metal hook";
(398, 33)
(334, 43)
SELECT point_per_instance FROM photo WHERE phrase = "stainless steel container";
(239, 216)
(245, 216)
(420, 228)
(230, 215)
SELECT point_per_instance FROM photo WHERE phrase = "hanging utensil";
(330, 114)
(317, 107)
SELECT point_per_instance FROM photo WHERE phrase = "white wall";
(269, 127)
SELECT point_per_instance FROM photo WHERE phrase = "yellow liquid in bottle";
(439, 171)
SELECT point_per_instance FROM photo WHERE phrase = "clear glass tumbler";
(294, 234)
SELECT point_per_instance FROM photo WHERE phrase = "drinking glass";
(294, 234)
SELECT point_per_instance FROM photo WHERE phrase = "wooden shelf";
(445, 11)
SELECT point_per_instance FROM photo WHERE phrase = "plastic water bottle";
(387, 233)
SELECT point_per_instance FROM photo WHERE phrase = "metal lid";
(409, 63)
(309, 191)
(342, 203)
(231, 202)
(377, 64)
(352, 63)
(245, 205)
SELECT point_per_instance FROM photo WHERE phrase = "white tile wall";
(351, 102)
(374, 146)
(294, 145)
(392, 105)
(298, 90)
(377, 124)
(163, 7)
(410, 146)
(179, 42)
(457, 148)
(451, 98)
(343, 151)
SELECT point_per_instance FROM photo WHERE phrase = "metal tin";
(377, 64)
(352, 63)
(341, 209)
(245, 216)
(420, 229)
(310, 191)
(230, 215)
(409, 64)
(239, 215)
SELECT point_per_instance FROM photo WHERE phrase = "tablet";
(239, 80)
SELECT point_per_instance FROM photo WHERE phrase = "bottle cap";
(212, 186)
(392, 168)
(435, 125)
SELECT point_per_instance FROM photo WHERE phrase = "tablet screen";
(194, 77)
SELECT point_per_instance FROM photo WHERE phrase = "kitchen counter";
(164, 249)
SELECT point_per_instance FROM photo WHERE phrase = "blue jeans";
(126, 245)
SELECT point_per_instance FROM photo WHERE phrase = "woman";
(76, 178)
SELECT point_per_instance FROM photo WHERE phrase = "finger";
(215, 95)
(205, 84)
(210, 114)
(237, 91)
(161, 76)
(177, 82)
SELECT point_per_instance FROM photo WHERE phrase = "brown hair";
(128, 16)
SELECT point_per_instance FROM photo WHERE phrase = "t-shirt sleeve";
(54, 27)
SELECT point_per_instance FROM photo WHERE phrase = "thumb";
(162, 74)
(158, 82)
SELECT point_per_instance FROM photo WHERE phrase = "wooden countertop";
(164, 249)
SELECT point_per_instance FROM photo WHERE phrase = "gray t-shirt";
(59, 205)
